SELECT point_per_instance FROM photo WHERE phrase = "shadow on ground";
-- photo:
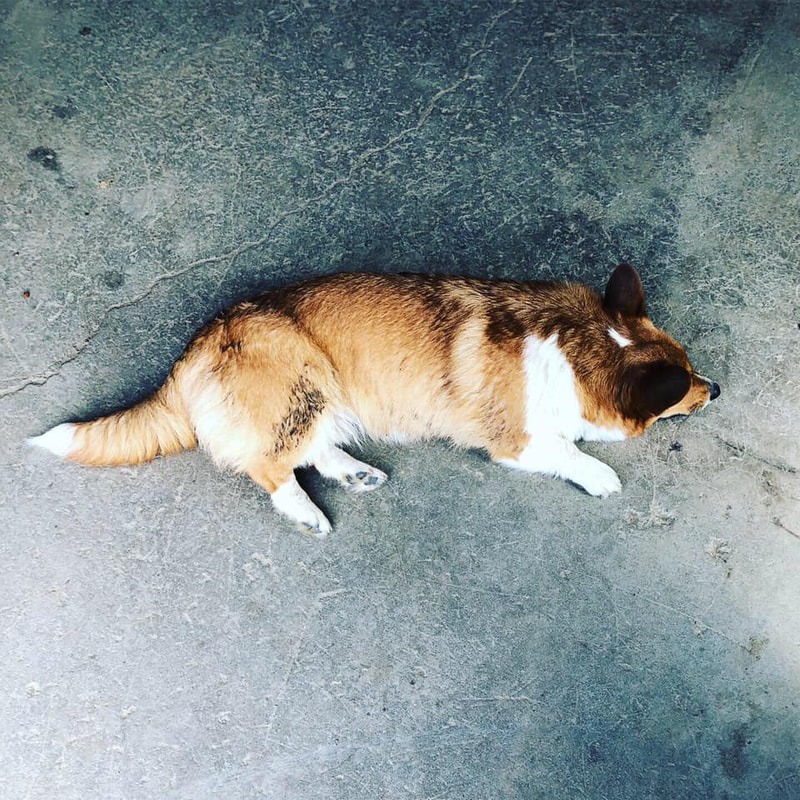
(466, 632)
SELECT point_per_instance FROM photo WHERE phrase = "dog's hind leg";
(264, 399)
(289, 499)
(357, 476)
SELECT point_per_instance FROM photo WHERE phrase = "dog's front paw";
(597, 478)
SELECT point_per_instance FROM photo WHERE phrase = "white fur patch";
(356, 475)
(552, 405)
(554, 422)
(621, 340)
(553, 455)
(341, 427)
(291, 500)
(58, 440)
(227, 434)
(590, 432)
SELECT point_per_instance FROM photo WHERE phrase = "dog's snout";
(713, 386)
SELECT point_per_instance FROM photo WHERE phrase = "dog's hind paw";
(319, 529)
(357, 476)
(291, 501)
(365, 480)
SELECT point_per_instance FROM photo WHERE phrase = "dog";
(520, 369)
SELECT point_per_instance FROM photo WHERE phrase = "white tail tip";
(57, 440)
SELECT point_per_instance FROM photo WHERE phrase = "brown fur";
(411, 355)
(157, 426)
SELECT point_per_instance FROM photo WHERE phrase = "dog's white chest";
(551, 400)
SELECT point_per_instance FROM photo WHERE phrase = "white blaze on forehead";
(621, 340)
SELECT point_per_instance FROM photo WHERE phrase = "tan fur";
(405, 355)
(158, 425)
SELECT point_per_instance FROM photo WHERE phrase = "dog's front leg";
(554, 455)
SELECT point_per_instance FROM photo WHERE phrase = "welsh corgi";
(520, 369)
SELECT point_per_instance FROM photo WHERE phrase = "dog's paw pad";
(365, 480)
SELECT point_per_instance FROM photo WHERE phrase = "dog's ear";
(650, 389)
(624, 292)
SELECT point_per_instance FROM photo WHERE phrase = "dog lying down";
(522, 370)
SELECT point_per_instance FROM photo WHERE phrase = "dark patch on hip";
(306, 403)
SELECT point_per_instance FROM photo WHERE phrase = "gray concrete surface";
(466, 632)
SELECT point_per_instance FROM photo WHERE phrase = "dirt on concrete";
(466, 632)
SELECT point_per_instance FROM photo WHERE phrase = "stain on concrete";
(112, 279)
(45, 156)
(224, 149)
(66, 111)
(732, 756)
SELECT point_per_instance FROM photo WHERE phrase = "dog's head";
(654, 377)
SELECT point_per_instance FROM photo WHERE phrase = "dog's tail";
(159, 425)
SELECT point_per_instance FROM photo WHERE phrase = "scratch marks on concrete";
(358, 163)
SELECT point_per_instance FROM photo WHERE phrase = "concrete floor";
(465, 632)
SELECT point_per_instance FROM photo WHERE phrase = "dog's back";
(520, 369)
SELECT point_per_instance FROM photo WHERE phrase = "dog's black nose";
(713, 391)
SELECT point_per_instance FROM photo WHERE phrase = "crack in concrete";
(777, 521)
(742, 451)
(701, 626)
(358, 164)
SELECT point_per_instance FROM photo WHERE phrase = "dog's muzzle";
(713, 387)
